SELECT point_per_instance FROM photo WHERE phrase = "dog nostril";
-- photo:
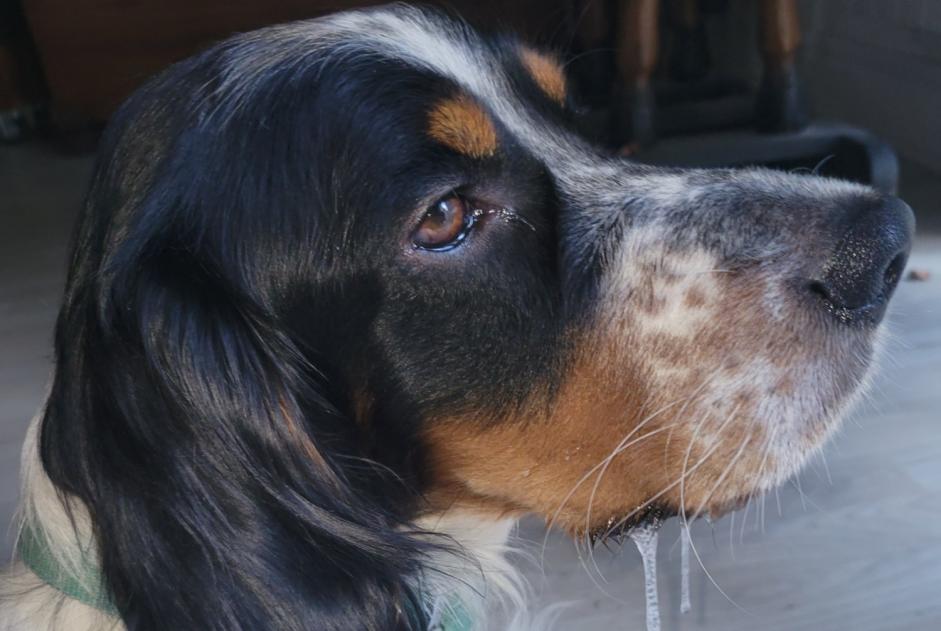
(893, 272)
(818, 288)
(865, 266)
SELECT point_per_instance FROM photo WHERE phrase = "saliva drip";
(685, 604)
(644, 537)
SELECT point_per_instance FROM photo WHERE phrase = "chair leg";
(779, 106)
(689, 54)
(638, 42)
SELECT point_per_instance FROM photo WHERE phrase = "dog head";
(335, 275)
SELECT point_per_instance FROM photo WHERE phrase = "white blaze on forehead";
(452, 50)
(415, 37)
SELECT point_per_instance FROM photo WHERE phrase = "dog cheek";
(539, 458)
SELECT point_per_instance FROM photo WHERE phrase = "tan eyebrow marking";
(462, 124)
(546, 72)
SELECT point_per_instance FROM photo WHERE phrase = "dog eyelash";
(503, 213)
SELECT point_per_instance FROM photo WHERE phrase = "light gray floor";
(860, 552)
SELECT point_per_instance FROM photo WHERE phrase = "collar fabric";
(36, 554)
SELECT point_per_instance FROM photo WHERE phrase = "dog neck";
(461, 586)
(28, 601)
(478, 576)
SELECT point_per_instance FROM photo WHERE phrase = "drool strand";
(644, 537)
(685, 604)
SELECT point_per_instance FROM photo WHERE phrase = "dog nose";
(858, 278)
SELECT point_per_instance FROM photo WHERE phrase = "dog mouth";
(617, 530)
(655, 514)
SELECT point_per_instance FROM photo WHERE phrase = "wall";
(877, 64)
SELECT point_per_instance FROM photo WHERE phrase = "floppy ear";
(194, 431)
(213, 460)
(189, 425)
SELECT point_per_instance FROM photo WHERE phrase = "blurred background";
(846, 88)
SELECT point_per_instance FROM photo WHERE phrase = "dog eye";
(445, 224)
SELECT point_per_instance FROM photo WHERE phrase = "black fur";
(239, 274)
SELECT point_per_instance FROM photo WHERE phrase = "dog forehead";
(422, 39)
(415, 37)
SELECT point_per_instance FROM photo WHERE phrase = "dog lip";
(656, 514)
(719, 511)
(653, 515)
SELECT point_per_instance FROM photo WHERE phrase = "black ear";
(222, 476)
(198, 437)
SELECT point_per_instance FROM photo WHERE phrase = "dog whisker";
(617, 525)
(602, 463)
(620, 449)
(728, 468)
(685, 523)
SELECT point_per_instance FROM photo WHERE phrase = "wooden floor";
(861, 551)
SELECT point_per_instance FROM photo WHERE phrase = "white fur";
(482, 575)
(771, 339)
(478, 575)
(26, 602)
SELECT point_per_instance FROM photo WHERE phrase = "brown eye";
(445, 224)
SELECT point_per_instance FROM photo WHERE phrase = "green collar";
(454, 618)
(36, 553)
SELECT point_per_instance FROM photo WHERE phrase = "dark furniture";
(642, 67)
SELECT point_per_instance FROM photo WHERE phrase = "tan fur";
(550, 459)
(694, 299)
(547, 74)
(303, 440)
(363, 402)
(461, 124)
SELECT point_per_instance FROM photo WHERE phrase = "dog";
(349, 296)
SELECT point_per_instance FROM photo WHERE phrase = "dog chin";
(721, 474)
